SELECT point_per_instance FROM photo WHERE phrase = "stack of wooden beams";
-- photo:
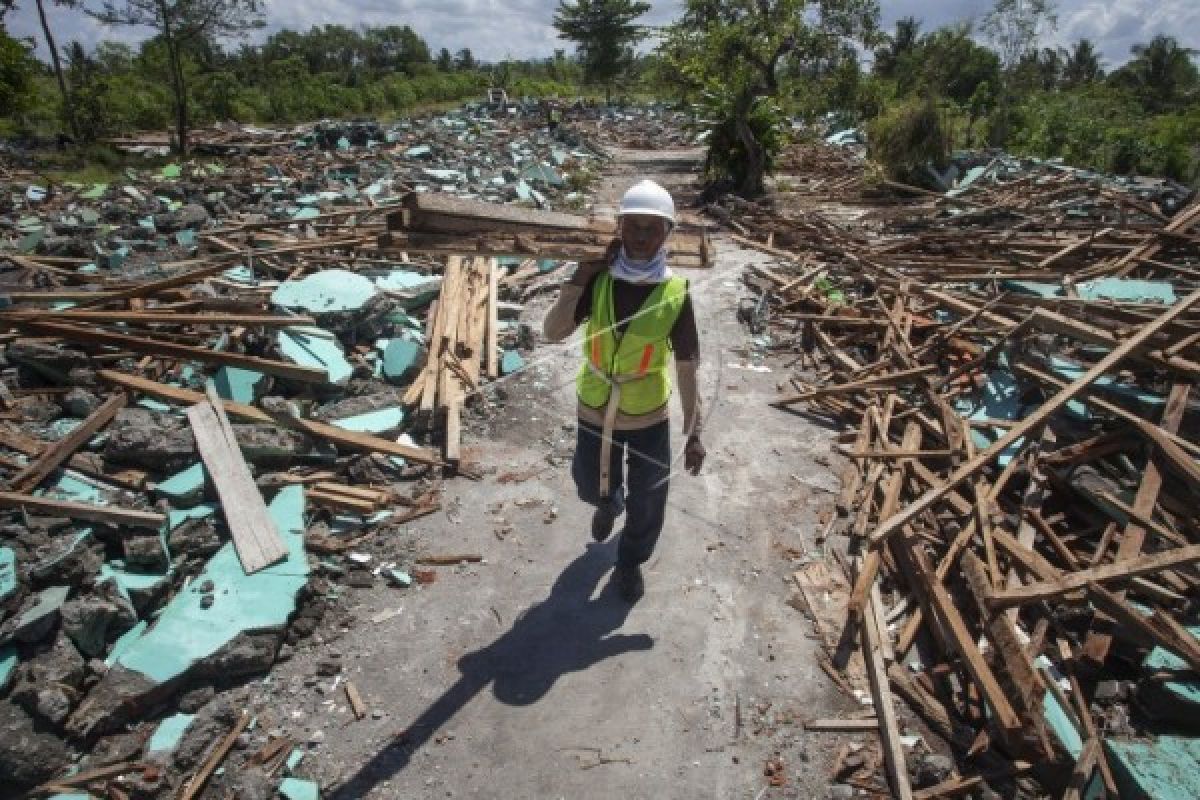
(440, 223)
(1009, 557)
(461, 332)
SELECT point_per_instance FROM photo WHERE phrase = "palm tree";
(1082, 65)
(1161, 71)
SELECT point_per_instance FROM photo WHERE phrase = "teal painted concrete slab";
(999, 399)
(412, 289)
(129, 582)
(184, 488)
(324, 292)
(1159, 768)
(169, 732)
(239, 385)
(186, 632)
(1158, 659)
(380, 421)
(313, 347)
(71, 796)
(511, 362)
(8, 663)
(8, 571)
(1061, 724)
(1127, 290)
(1070, 371)
(400, 359)
(178, 516)
(297, 789)
(294, 758)
(125, 641)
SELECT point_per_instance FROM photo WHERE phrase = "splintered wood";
(460, 327)
(1016, 384)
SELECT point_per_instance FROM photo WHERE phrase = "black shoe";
(602, 524)
(630, 585)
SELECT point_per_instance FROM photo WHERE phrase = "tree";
(445, 61)
(184, 24)
(1082, 65)
(68, 106)
(465, 59)
(1015, 27)
(604, 32)
(898, 47)
(738, 48)
(1162, 72)
(16, 73)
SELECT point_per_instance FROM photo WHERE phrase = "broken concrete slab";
(28, 756)
(8, 572)
(240, 385)
(315, 347)
(379, 422)
(297, 789)
(91, 620)
(188, 632)
(166, 737)
(8, 665)
(38, 617)
(48, 683)
(401, 360)
(325, 292)
(185, 488)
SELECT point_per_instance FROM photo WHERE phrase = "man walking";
(638, 315)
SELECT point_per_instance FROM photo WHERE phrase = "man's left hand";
(693, 455)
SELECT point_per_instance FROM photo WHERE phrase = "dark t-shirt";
(628, 298)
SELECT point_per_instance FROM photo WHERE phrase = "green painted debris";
(186, 238)
(71, 796)
(511, 362)
(419, 151)
(398, 577)
(8, 662)
(1150, 404)
(294, 758)
(308, 212)
(169, 732)
(240, 385)
(178, 516)
(240, 274)
(186, 632)
(380, 421)
(325, 292)
(999, 399)
(1061, 723)
(1127, 290)
(1161, 768)
(297, 789)
(184, 488)
(29, 242)
(8, 571)
(130, 583)
(1182, 696)
(95, 193)
(314, 347)
(172, 171)
(400, 359)
(542, 173)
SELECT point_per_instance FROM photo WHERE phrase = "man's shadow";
(567, 632)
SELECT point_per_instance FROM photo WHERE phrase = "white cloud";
(495, 29)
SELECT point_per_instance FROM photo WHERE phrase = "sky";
(498, 29)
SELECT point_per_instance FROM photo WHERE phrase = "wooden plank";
(493, 358)
(1120, 570)
(162, 349)
(52, 457)
(193, 786)
(889, 730)
(356, 704)
(877, 382)
(72, 510)
(1083, 770)
(254, 533)
(1030, 423)
(351, 440)
(155, 317)
(1057, 323)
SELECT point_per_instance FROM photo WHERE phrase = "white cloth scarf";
(652, 270)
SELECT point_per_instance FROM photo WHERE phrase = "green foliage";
(728, 157)
(907, 137)
(605, 33)
(1163, 74)
(16, 74)
(1105, 128)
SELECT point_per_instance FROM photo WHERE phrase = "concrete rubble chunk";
(38, 617)
(48, 683)
(28, 756)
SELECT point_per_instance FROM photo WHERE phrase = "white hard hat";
(647, 197)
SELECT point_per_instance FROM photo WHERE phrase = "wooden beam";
(255, 536)
(66, 508)
(162, 349)
(1032, 422)
(156, 317)
(881, 695)
(53, 456)
(351, 440)
(1119, 570)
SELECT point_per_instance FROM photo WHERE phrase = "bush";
(907, 137)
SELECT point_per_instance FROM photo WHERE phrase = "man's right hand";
(590, 269)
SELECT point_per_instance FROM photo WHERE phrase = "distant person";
(638, 315)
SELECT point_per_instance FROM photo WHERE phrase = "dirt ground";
(523, 675)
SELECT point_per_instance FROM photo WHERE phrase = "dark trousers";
(640, 491)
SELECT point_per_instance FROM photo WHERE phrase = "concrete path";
(526, 677)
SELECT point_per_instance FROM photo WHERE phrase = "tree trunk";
(178, 89)
(756, 160)
(68, 104)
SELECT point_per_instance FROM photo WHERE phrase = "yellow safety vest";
(636, 361)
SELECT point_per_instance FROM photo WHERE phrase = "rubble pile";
(635, 127)
(1015, 364)
(224, 392)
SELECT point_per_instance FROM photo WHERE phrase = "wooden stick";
(193, 786)
(71, 510)
(56, 454)
(1030, 423)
